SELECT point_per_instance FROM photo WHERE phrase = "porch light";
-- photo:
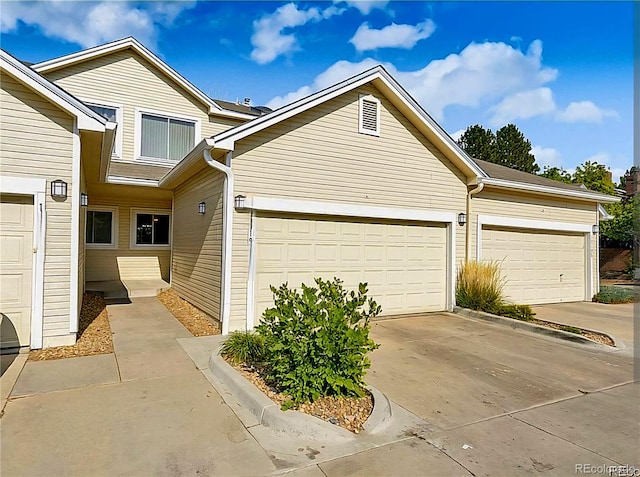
(462, 218)
(595, 229)
(84, 199)
(202, 208)
(59, 189)
(239, 201)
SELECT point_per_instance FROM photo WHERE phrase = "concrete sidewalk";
(144, 410)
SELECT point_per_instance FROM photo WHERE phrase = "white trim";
(138, 135)
(273, 204)
(35, 187)
(379, 77)
(513, 222)
(268, 204)
(132, 229)
(115, 211)
(132, 181)
(251, 275)
(74, 312)
(372, 99)
(87, 119)
(119, 109)
(547, 190)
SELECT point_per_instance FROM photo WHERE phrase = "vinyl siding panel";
(529, 206)
(102, 264)
(126, 79)
(36, 140)
(197, 242)
(319, 155)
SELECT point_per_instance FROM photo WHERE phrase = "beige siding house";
(221, 201)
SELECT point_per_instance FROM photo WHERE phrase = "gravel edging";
(518, 324)
(263, 410)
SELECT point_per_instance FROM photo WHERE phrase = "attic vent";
(369, 115)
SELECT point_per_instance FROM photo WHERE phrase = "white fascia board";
(131, 181)
(540, 189)
(86, 119)
(139, 48)
(533, 224)
(272, 204)
(108, 140)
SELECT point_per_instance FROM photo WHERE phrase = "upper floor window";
(165, 137)
(112, 113)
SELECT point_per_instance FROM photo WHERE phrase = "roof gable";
(131, 43)
(390, 88)
(87, 119)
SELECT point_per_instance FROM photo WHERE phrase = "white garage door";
(404, 264)
(16, 254)
(540, 267)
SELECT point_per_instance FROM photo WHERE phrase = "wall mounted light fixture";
(462, 218)
(239, 201)
(59, 189)
(202, 208)
(84, 199)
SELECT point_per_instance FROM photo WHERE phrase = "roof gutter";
(546, 190)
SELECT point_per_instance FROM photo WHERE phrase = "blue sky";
(561, 71)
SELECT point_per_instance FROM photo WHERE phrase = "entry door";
(16, 269)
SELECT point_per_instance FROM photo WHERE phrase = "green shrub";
(613, 294)
(317, 340)
(517, 312)
(243, 347)
(479, 286)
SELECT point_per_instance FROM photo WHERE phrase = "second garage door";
(405, 264)
(539, 266)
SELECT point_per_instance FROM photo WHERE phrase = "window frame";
(114, 228)
(138, 134)
(117, 150)
(361, 99)
(133, 229)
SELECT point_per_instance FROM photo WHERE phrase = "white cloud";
(270, 41)
(392, 36)
(457, 134)
(547, 156)
(90, 23)
(584, 111)
(479, 75)
(523, 105)
(365, 6)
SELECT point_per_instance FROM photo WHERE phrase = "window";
(101, 228)
(369, 115)
(165, 138)
(111, 113)
(150, 228)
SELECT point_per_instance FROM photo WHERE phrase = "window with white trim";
(111, 113)
(150, 228)
(163, 138)
(369, 115)
(101, 227)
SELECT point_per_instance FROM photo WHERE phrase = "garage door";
(16, 254)
(540, 267)
(404, 264)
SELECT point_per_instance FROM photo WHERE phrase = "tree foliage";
(557, 174)
(595, 177)
(507, 147)
(620, 229)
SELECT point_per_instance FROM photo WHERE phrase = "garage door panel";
(403, 264)
(16, 272)
(539, 266)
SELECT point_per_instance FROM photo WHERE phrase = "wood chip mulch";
(598, 337)
(94, 333)
(194, 320)
(349, 413)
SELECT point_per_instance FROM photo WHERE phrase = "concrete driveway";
(615, 320)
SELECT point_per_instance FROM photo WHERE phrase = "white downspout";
(477, 190)
(227, 234)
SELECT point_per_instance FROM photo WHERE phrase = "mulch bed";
(94, 333)
(349, 413)
(598, 337)
(197, 322)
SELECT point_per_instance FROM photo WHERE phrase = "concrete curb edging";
(294, 423)
(543, 330)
